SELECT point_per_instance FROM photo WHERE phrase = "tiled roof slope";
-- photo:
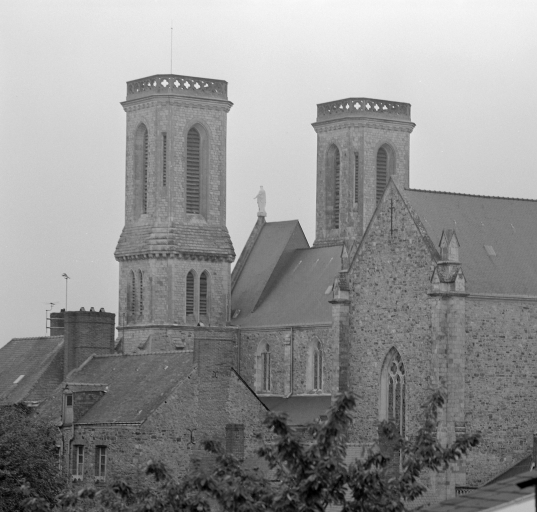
(30, 357)
(271, 244)
(137, 384)
(509, 226)
(195, 239)
(487, 497)
(300, 410)
(298, 290)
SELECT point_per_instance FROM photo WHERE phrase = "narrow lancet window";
(356, 177)
(141, 292)
(193, 171)
(265, 368)
(190, 293)
(382, 172)
(317, 368)
(132, 293)
(336, 188)
(164, 159)
(145, 172)
(203, 293)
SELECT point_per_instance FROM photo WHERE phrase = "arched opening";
(314, 369)
(393, 390)
(263, 368)
(190, 293)
(333, 187)
(131, 293)
(204, 293)
(193, 171)
(140, 292)
(385, 168)
(141, 169)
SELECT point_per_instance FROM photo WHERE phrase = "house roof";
(137, 384)
(297, 291)
(300, 410)
(487, 497)
(497, 236)
(23, 361)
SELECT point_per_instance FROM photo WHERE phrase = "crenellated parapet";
(363, 107)
(177, 85)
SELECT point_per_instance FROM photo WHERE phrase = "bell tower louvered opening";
(382, 172)
(337, 189)
(193, 171)
(145, 171)
(203, 293)
(356, 177)
(190, 293)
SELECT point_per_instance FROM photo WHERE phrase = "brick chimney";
(86, 333)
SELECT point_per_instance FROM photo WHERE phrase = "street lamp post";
(66, 277)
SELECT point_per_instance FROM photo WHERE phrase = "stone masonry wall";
(164, 296)
(389, 308)
(501, 379)
(365, 139)
(197, 409)
(281, 347)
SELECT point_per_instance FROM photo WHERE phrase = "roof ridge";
(145, 353)
(36, 338)
(469, 195)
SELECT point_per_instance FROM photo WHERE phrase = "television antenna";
(47, 318)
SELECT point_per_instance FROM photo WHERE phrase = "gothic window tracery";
(394, 390)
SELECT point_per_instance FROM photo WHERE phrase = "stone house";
(401, 292)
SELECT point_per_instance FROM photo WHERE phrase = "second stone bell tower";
(175, 251)
(361, 143)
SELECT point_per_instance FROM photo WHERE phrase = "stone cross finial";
(261, 202)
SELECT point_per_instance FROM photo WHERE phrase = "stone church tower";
(361, 143)
(175, 251)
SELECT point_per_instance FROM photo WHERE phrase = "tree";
(28, 455)
(307, 474)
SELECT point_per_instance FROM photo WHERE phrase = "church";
(402, 292)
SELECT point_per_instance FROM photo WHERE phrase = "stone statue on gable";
(261, 202)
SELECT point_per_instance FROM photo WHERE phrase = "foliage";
(27, 456)
(306, 475)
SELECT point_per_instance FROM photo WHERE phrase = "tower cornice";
(342, 123)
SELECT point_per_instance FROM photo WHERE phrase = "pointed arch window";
(337, 188)
(145, 172)
(190, 293)
(265, 368)
(140, 292)
(356, 177)
(393, 389)
(141, 170)
(193, 171)
(382, 172)
(132, 292)
(317, 367)
(204, 290)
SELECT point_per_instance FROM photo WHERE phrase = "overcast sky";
(469, 69)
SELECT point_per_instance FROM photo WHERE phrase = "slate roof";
(137, 384)
(300, 410)
(507, 225)
(297, 291)
(30, 357)
(487, 497)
